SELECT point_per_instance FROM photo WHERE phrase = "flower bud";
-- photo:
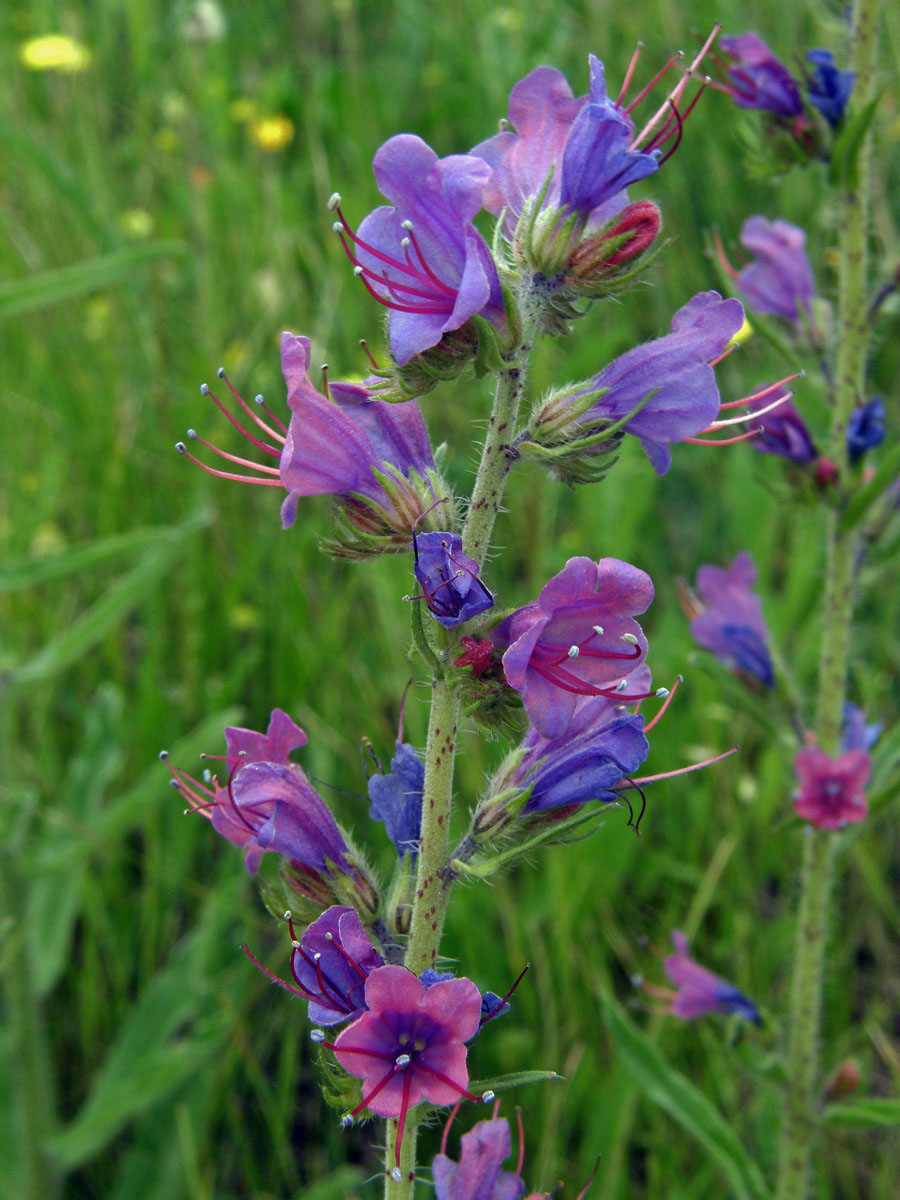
(843, 1082)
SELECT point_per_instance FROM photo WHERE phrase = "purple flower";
(857, 733)
(785, 434)
(331, 964)
(578, 639)
(757, 79)
(478, 1174)
(675, 372)
(492, 1005)
(449, 579)
(700, 991)
(421, 256)
(397, 799)
(829, 89)
(582, 146)
(602, 744)
(780, 282)
(269, 805)
(729, 621)
(410, 1043)
(832, 790)
(865, 429)
(333, 447)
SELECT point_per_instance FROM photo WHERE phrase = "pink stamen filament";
(490, 1016)
(666, 703)
(686, 770)
(521, 1161)
(649, 88)
(182, 449)
(255, 416)
(297, 991)
(433, 289)
(758, 412)
(675, 96)
(626, 82)
(744, 437)
(239, 427)
(243, 462)
(714, 362)
(761, 395)
(404, 1109)
(453, 1111)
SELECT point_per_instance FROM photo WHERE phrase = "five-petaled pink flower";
(831, 793)
(410, 1045)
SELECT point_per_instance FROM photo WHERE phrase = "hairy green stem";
(433, 881)
(803, 1065)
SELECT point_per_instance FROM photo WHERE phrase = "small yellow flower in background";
(54, 52)
(242, 109)
(97, 312)
(271, 134)
(166, 140)
(48, 539)
(243, 618)
(746, 331)
(136, 222)
(508, 19)
(234, 356)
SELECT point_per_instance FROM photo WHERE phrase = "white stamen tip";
(396, 1175)
(662, 693)
(329, 936)
(207, 775)
(407, 224)
(487, 1097)
(221, 372)
(317, 1035)
(259, 398)
(572, 652)
(346, 1121)
(317, 956)
(163, 755)
(404, 242)
(402, 1060)
(337, 227)
(357, 271)
(204, 389)
(621, 685)
(334, 201)
(288, 915)
(295, 945)
(192, 434)
(181, 447)
(630, 639)
(598, 629)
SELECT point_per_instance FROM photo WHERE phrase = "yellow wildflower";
(54, 52)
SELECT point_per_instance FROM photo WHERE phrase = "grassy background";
(145, 605)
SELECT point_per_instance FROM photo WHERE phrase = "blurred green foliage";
(145, 237)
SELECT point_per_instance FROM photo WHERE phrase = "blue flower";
(449, 579)
(396, 799)
(729, 619)
(865, 429)
(757, 79)
(828, 88)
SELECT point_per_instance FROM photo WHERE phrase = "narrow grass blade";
(669, 1089)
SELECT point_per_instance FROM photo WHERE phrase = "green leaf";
(502, 1083)
(844, 170)
(43, 288)
(669, 1089)
(888, 470)
(863, 1114)
(18, 573)
(91, 627)
(173, 1029)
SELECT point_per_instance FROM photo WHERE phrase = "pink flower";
(578, 639)
(699, 990)
(831, 793)
(410, 1045)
